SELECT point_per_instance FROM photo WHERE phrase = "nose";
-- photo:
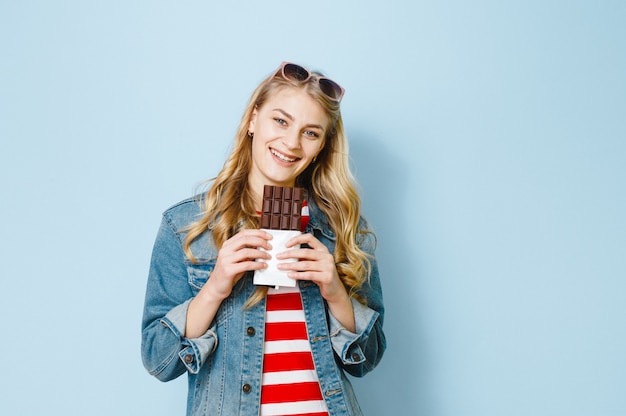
(292, 140)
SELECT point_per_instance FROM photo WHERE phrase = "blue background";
(489, 138)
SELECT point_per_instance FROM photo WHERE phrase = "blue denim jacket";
(224, 365)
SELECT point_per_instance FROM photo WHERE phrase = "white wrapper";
(271, 276)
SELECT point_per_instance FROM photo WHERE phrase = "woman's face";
(289, 131)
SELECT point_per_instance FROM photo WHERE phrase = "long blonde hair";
(228, 205)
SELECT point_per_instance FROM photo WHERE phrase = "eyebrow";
(290, 117)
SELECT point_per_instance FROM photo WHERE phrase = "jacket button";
(250, 331)
(356, 356)
(188, 358)
(246, 388)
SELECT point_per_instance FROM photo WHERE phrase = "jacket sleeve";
(165, 351)
(361, 352)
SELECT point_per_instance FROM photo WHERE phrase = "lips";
(283, 157)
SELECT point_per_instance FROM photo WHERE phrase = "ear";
(252, 121)
(317, 154)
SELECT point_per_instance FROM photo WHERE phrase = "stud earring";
(250, 134)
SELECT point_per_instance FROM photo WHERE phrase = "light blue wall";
(489, 138)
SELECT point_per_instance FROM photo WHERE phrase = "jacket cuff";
(194, 351)
(348, 344)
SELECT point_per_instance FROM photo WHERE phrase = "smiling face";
(289, 130)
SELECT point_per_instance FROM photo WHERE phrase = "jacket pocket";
(197, 275)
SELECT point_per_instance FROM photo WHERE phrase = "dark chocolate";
(282, 207)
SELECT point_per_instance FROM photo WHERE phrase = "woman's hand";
(317, 264)
(237, 256)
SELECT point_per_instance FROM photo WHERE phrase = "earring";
(250, 134)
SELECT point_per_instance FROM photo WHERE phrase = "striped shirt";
(290, 385)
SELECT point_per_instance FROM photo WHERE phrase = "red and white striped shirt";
(290, 385)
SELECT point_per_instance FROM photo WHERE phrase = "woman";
(247, 349)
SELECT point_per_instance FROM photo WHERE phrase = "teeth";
(282, 157)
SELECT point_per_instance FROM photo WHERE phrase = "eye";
(280, 121)
(311, 134)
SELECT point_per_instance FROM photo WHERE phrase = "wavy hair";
(228, 205)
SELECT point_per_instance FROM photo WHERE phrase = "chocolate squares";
(282, 207)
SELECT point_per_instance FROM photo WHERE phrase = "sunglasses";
(295, 72)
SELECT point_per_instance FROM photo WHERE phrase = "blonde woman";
(249, 349)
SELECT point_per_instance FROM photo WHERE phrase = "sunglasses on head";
(295, 72)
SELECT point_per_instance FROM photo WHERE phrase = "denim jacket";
(224, 365)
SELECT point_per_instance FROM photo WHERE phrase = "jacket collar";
(318, 221)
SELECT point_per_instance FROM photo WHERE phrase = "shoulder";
(319, 221)
(185, 212)
(366, 236)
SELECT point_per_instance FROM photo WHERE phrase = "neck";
(257, 196)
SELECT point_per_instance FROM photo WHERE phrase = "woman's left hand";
(317, 264)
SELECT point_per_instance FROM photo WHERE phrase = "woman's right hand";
(237, 256)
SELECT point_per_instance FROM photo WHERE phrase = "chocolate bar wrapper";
(271, 275)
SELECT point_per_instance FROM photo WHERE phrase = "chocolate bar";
(281, 217)
(282, 207)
